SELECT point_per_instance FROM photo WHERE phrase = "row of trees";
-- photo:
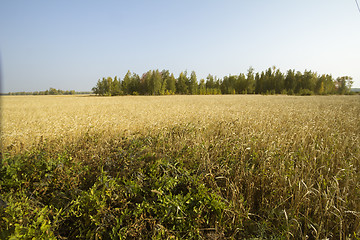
(51, 91)
(271, 81)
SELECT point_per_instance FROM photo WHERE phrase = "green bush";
(306, 92)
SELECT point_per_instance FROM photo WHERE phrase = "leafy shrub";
(306, 92)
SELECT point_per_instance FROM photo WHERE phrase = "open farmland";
(212, 167)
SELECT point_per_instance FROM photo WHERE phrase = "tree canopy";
(270, 81)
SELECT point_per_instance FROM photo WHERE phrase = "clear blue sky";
(71, 44)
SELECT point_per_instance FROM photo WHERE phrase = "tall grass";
(195, 167)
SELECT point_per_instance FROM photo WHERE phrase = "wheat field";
(26, 119)
(277, 166)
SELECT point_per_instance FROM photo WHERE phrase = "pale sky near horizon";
(69, 45)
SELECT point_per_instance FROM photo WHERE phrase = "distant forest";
(51, 91)
(271, 81)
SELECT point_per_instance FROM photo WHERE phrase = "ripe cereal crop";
(171, 167)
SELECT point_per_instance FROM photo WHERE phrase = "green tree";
(343, 84)
(181, 86)
(217, 89)
(298, 82)
(202, 87)
(320, 83)
(144, 86)
(289, 82)
(241, 84)
(108, 85)
(228, 84)
(329, 85)
(259, 83)
(210, 83)
(116, 87)
(278, 81)
(156, 81)
(268, 81)
(193, 83)
(99, 89)
(125, 84)
(163, 87)
(309, 80)
(52, 91)
(250, 80)
(134, 85)
(171, 84)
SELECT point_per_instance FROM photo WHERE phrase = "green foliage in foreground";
(163, 186)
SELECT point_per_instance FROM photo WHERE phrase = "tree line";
(270, 81)
(50, 91)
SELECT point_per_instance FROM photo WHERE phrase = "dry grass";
(285, 165)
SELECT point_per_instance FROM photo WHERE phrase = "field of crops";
(180, 167)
